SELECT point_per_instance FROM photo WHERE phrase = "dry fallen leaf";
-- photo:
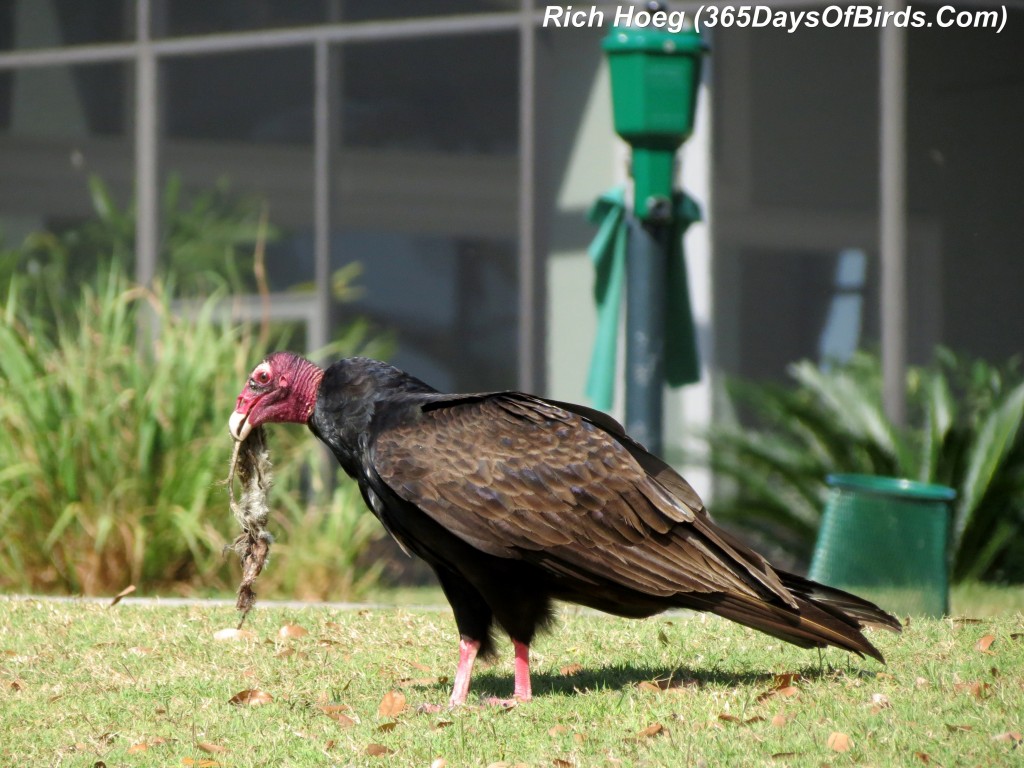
(122, 595)
(976, 689)
(439, 762)
(879, 701)
(557, 730)
(838, 742)
(234, 634)
(209, 748)
(783, 687)
(342, 714)
(924, 757)
(985, 643)
(443, 724)
(141, 746)
(648, 686)
(953, 728)
(250, 697)
(785, 691)
(560, 763)
(1011, 736)
(387, 727)
(786, 679)
(921, 682)
(651, 730)
(392, 704)
(781, 755)
(378, 750)
(291, 630)
(778, 721)
(725, 717)
(204, 762)
(570, 669)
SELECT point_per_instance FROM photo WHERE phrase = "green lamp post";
(655, 77)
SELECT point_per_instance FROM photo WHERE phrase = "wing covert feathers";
(516, 476)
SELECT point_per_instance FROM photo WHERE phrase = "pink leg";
(522, 689)
(467, 655)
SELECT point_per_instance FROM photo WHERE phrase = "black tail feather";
(824, 616)
(837, 602)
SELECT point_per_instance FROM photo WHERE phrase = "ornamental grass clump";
(112, 446)
(114, 442)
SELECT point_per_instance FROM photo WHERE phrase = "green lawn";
(83, 684)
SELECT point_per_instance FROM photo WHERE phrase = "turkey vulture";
(515, 501)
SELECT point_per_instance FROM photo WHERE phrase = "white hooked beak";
(239, 426)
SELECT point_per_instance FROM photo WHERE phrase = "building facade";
(452, 148)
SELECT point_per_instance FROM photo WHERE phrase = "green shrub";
(115, 450)
(113, 411)
(964, 431)
(209, 242)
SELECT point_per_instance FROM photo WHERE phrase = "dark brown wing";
(516, 476)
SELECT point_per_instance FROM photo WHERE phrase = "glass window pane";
(804, 314)
(257, 96)
(28, 24)
(401, 9)
(425, 199)
(237, 135)
(837, 167)
(453, 93)
(448, 301)
(200, 17)
(59, 128)
(174, 18)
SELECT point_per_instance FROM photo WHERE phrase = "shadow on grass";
(488, 682)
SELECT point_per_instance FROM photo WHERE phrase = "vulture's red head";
(281, 388)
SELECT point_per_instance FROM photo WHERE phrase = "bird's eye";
(260, 377)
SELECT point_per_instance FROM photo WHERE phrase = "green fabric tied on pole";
(609, 251)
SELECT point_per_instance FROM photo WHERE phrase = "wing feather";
(517, 476)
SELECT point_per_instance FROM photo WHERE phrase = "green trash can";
(887, 540)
